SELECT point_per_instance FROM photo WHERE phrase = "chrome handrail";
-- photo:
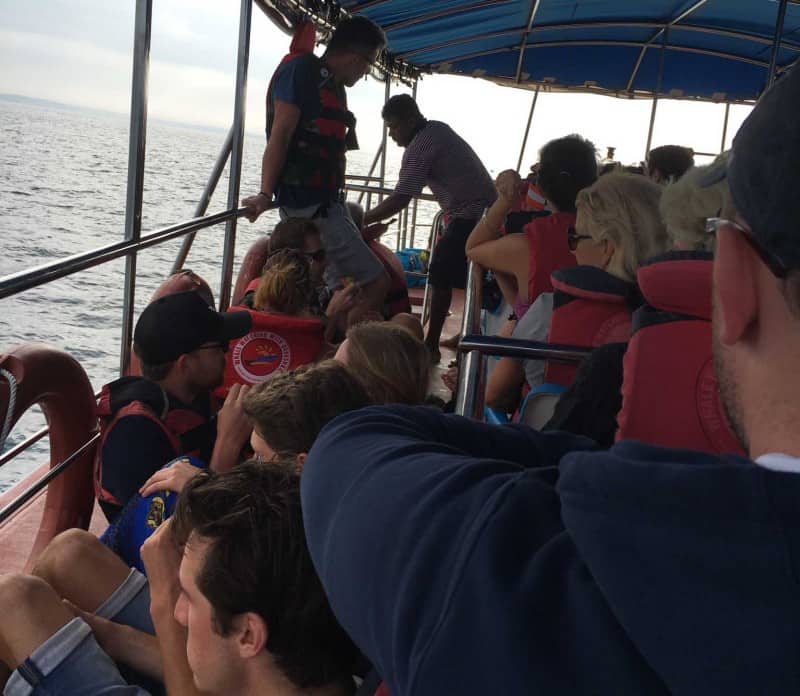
(469, 395)
(524, 349)
(29, 493)
(25, 280)
(22, 446)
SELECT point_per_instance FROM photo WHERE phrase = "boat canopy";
(717, 50)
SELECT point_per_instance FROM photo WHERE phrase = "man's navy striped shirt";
(439, 157)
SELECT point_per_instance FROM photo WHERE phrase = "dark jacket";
(462, 561)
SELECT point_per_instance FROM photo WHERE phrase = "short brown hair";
(289, 410)
(285, 284)
(291, 233)
(257, 561)
(393, 364)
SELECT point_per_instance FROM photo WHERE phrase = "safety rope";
(12, 403)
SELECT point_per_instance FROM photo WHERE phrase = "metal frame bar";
(237, 145)
(523, 349)
(776, 43)
(25, 280)
(25, 444)
(136, 157)
(633, 44)
(29, 493)
(469, 395)
(714, 31)
(521, 59)
(659, 80)
(527, 128)
(683, 15)
(205, 199)
(438, 14)
(724, 129)
(382, 190)
(436, 225)
(414, 205)
(387, 91)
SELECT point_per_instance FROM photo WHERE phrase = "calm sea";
(62, 191)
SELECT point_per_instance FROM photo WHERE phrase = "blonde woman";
(618, 227)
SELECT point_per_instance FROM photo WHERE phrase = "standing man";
(437, 157)
(309, 129)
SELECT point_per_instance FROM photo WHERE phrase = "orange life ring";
(55, 381)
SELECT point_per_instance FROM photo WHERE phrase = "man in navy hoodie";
(470, 559)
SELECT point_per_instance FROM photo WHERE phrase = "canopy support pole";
(243, 60)
(527, 128)
(386, 95)
(136, 156)
(725, 128)
(524, 43)
(415, 203)
(776, 44)
(658, 91)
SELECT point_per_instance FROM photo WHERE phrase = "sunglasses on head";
(221, 345)
(573, 238)
(776, 266)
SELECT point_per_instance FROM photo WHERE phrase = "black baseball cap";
(763, 172)
(176, 324)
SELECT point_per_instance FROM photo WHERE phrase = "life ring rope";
(12, 404)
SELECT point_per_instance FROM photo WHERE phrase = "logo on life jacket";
(260, 353)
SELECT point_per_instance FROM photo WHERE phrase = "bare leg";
(32, 612)
(440, 304)
(79, 568)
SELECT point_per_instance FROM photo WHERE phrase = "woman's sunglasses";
(573, 238)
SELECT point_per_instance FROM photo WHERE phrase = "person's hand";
(162, 560)
(450, 378)
(342, 300)
(256, 205)
(172, 478)
(508, 185)
(233, 424)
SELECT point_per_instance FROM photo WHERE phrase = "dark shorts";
(449, 266)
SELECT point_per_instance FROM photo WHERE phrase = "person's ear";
(734, 286)
(252, 634)
(300, 460)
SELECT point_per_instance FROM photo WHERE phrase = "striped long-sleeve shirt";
(439, 157)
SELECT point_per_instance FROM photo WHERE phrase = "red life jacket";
(590, 307)
(316, 155)
(396, 300)
(670, 394)
(275, 343)
(548, 251)
(137, 396)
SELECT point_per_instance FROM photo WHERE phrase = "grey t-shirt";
(534, 326)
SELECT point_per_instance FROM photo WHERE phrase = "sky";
(79, 52)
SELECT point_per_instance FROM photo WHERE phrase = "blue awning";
(711, 49)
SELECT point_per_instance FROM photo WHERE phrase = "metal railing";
(502, 346)
(40, 484)
(469, 394)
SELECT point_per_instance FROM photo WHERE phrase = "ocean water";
(62, 191)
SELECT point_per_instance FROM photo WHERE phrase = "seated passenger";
(392, 363)
(524, 563)
(617, 228)
(590, 404)
(686, 205)
(668, 163)
(286, 333)
(235, 603)
(396, 303)
(147, 421)
(524, 262)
